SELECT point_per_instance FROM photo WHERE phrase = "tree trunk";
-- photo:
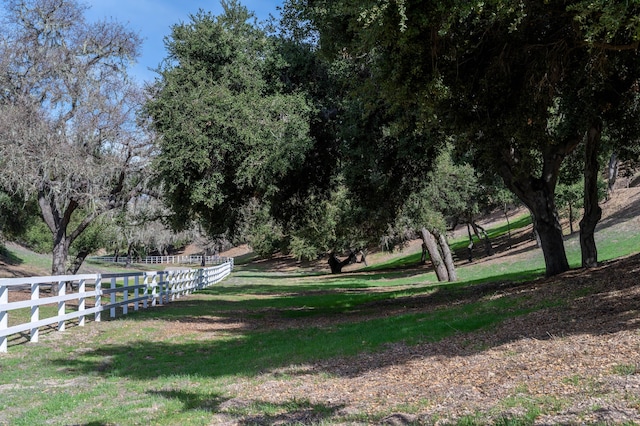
(552, 244)
(59, 261)
(129, 255)
(336, 264)
(423, 257)
(447, 256)
(612, 173)
(58, 222)
(539, 198)
(363, 253)
(482, 235)
(78, 261)
(432, 246)
(571, 217)
(538, 194)
(592, 211)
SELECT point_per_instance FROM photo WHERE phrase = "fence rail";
(155, 260)
(107, 292)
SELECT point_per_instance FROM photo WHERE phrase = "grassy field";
(187, 362)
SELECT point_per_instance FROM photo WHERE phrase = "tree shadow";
(291, 413)
(631, 210)
(9, 257)
(192, 400)
(597, 302)
(240, 411)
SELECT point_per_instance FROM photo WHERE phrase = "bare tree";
(69, 130)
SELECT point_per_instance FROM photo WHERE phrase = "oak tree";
(68, 115)
(518, 84)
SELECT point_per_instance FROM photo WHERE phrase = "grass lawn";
(186, 362)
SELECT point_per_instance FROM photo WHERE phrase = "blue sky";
(152, 19)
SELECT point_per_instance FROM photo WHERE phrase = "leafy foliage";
(228, 136)
(514, 84)
(69, 134)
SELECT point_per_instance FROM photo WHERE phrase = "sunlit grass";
(178, 364)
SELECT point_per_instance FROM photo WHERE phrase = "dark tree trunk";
(538, 197)
(592, 211)
(423, 257)
(612, 173)
(59, 261)
(78, 261)
(432, 247)
(482, 235)
(551, 241)
(538, 194)
(58, 221)
(336, 264)
(60, 253)
(447, 256)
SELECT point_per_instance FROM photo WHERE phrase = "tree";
(68, 116)
(15, 214)
(448, 192)
(518, 84)
(232, 132)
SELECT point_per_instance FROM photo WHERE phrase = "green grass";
(183, 377)
(108, 370)
(139, 370)
(457, 244)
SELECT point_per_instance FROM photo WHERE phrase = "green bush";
(37, 237)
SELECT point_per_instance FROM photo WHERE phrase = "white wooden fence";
(155, 260)
(107, 292)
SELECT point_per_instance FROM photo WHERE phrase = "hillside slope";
(620, 214)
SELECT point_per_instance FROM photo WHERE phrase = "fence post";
(136, 292)
(81, 301)
(62, 305)
(4, 316)
(113, 298)
(154, 290)
(161, 289)
(98, 303)
(35, 311)
(172, 283)
(125, 297)
(145, 291)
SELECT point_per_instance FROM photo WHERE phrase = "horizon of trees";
(342, 125)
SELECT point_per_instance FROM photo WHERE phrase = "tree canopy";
(516, 84)
(327, 129)
(69, 130)
(231, 130)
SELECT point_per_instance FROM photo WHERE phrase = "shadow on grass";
(561, 306)
(287, 413)
(254, 412)
(9, 257)
(192, 400)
